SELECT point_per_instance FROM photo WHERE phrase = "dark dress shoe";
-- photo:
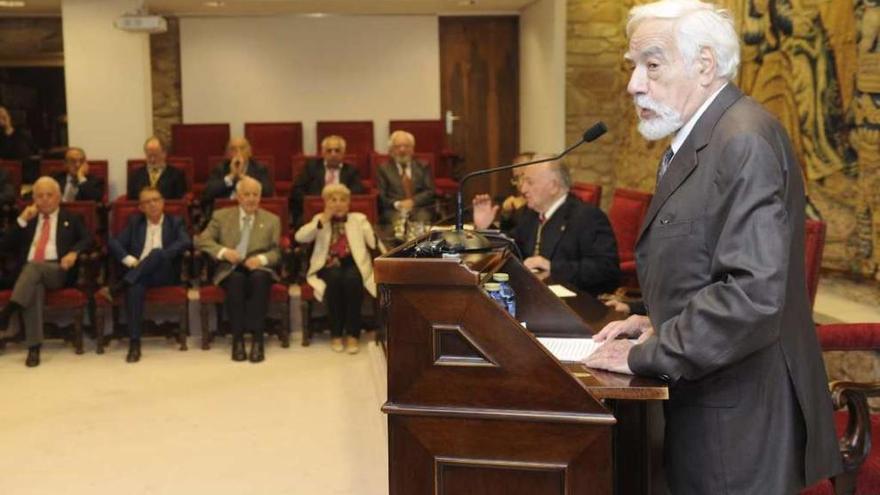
(33, 358)
(238, 352)
(257, 353)
(134, 352)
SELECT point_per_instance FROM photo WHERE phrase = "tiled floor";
(307, 421)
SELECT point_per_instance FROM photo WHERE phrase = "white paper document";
(560, 291)
(569, 350)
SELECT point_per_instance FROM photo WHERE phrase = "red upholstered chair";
(281, 140)
(97, 168)
(181, 162)
(588, 193)
(431, 137)
(75, 299)
(120, 212)
(857, 427)
(358, 137)
(210, 294)
(298, 164)
(368, 204)
(814, 246)
(198, 142)
(627, 211)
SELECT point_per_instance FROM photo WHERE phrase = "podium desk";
(476, 406)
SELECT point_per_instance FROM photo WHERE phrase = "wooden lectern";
(476, 405)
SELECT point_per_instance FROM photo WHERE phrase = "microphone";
(459, 240)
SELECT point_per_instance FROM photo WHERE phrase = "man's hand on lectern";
(612, 356)
(630, 328)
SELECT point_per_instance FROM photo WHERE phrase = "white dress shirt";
(686, 129)
(555, 206)
(153, 240)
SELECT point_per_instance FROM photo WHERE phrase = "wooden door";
(479, 72)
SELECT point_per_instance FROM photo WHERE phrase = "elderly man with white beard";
(720, 263)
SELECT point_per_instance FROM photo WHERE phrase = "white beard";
(665, 122)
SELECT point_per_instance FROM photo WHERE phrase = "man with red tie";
(319, 172)
(406, 186)
(47, 241)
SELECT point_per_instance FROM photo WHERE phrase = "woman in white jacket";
(341, 265)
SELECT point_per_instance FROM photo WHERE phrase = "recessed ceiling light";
(215, 4)
(467, 3)
(316, 15)
(12, 4)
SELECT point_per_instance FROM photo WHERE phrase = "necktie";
(70, 190)
(664, 163)
(43, 240)
(331, 175)
(542, 219)
(154, 176)
(245, 236)
(406, 180)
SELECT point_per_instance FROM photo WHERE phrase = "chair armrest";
(849, 336)
(186, 266)
(856, 442)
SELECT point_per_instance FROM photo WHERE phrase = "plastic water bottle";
(494, 291)
(507, 292)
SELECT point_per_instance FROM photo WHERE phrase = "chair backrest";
(588, 193)
(298, 163)
(428, 158)
(122, 209)
(358, 137)
(198, 142)
(97, 168)
(626, 214)
(267, 161)
(814, 246)
(184, 163)
(276, 205)
(88, 210)
(368, 204)
(13, 171)
(430, 137)
(281, 140)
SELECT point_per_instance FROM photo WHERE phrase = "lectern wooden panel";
(476, 405)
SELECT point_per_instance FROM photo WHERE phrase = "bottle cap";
(491, 286)
(500, 277)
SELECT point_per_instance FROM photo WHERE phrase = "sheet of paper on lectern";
(560, 291)
(569, 350)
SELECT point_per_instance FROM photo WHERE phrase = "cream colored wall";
(542, 76)
(107, 77)
(291, 68)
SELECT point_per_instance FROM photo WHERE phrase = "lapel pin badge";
(65, 223)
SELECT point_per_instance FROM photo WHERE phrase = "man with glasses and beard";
(406, 186)
(720, 261)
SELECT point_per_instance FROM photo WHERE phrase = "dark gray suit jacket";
(721, 265)
(391, 187)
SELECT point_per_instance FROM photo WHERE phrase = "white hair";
(245, 181)
(697, 25)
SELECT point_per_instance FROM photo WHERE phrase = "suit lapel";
(685, 161)
(554, 229)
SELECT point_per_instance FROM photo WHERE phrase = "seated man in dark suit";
(46, 241)
(76, 184)
(238, 164)
(151, 247)
(245, 241)
(406, 186)
(329, 169)
(559, 235)
(169, 180)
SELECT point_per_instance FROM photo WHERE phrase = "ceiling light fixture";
(12, 4)
(215, 4)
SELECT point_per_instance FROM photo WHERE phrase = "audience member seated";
(513, 205)
(15, 144)
(406, 186)
(245, 241)
(76, 184)
(559, 235)
(238, 164)
(46, 242)
(151, 247)
(170, 181)
(341, 266)
(329, 169)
